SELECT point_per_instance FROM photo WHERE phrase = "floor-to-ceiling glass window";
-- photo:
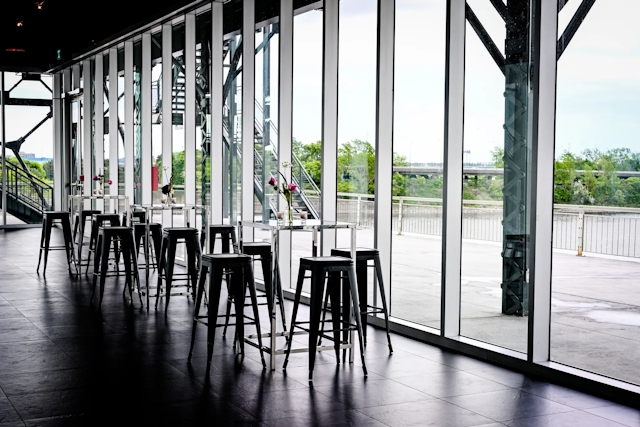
(595, 304)
(417, 146)
(105, 82)
(156, 117)
(306, 158)
(29, 160)
(495, 230)
(177, 116)
(137, 121)
(121, 123)
(203, 108)
(356, 118)
(232, 129)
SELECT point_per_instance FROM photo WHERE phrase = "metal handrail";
(28, 189)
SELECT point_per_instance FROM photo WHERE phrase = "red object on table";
(81, 178)
(154, 178)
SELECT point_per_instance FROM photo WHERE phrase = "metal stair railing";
(299, 174)
(28, 190)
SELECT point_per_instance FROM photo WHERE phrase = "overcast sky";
(598, 102)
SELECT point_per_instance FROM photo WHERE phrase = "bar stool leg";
(333, 291)
(239, 290)
(96, 267)
(162, 268)
(362, 279)
(356, 310)
(383, 297)
(296, 302)
(251, 284)
(104, 264)
(42, 239)
(171, 254)
(201, 283)
(47, 243)
(317, 289)
(192, 267)
(134, 259)
(215, 283)
(68, 242)
(128, 257)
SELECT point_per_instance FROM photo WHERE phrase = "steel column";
(248, 112)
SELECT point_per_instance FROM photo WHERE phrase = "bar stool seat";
(171, 236)
(261, 251)
(321, 267)
(107, 235)
(241, 271)
(363, 256)
(49, 218)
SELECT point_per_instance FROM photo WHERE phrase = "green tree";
(48, 170)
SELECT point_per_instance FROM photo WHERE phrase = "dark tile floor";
(63, 362)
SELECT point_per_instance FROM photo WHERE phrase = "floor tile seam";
(431, 398)
(566, 412)
(610, 403)
(334, 412)
(609, 419)
(508, 387)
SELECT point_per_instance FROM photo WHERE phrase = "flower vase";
(289, 215)
(168, 200)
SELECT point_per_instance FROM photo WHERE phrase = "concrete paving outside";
(595, 323)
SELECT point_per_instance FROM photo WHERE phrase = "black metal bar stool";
(80, 221)
(226, 234)
(171, 236)
(124, 236)
(215, 265)
(320, 267)
(261, 251)
(97, 221)
(49, 218)
(140, 236)
(363, 256)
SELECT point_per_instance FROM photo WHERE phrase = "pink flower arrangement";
(286, 189)
(100, 178)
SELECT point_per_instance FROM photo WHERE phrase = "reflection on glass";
(137, 120)
(232, 125)
(595, 306)
(418, 130)
(105, 139)
(203, 108)
(495, 264)
(177, 116)
(121, 123)
(356, 120)
(156, 117)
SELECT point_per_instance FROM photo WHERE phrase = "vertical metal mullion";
(145, 120)
(3, 135)
(330, 61)
(167, 110)
(453, 157)
(248, 111)
(384, 136)
(113, 122)
(75, 77)
(285, 123)
(216, 88)
(87, 143)
(545, 32)
(98, 105)
(58, 150)
(65, 169)
(190, 111)
(129, 139)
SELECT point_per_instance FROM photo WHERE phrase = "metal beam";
(573, 26)
(485, 38)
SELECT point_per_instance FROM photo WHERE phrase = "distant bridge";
(429, 171)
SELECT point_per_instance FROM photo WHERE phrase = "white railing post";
(580, 232)
(400, 217)
(358, 211)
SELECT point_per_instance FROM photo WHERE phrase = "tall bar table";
(275, 227)
(76, 203)
(185, 210)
